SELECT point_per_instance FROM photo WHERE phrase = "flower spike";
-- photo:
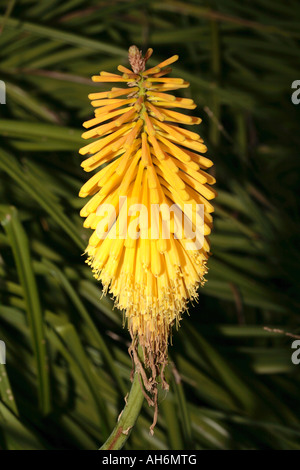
(151, 184)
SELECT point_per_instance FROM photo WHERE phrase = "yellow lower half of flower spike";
(143, 149)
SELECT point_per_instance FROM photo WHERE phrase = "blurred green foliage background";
(232, 382)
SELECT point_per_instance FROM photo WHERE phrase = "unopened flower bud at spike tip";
(136, 59)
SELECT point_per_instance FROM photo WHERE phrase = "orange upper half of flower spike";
(140, 149)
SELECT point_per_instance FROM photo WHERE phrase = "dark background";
(232, 382)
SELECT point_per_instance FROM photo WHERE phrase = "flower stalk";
(127, 418)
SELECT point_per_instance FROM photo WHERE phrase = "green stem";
(127, 419)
